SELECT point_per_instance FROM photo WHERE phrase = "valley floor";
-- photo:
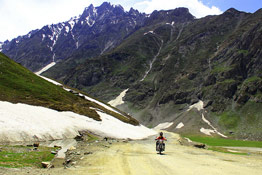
(140, 157)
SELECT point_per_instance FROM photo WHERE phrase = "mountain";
(174, 61)
(96, 31)
(199, 75)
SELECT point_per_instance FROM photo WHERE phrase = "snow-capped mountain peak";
(59, 41)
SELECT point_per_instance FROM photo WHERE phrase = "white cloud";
(18, 17)
(196, 7)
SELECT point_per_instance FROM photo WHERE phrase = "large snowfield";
(21, 122)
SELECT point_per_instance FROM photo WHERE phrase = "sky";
(18, 17)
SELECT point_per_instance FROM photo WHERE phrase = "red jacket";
(160, 137)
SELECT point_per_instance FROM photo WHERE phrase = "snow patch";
(43, 37)
(45, 68)
(52, 81)
(86, 97)
(152, 62)
(199, 105)
(188, 140)
(65, 144)
(56, 31)
(163, 125)
(77, 44)
(67, 29)
(214, 129)
(118, 100)
(22, 122)
(152, 32)
(180, 125)
(72, 22)
(89, 21)
(113, 127)
(95, 12)
(107, 46)
(207, 131)
(100, 103)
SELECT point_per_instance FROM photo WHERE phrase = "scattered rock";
(36, 144)
(191, 76)
(56, 146)
(72, 148)
(81, 96)
(79, 138)
(242, 99)
(53, 152)
(86, 153)
(231, 132)
(73, 92)
(68, 161)
(203, 146)
(207, 103)
(46, 165)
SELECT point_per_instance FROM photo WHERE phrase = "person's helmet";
(161, 133)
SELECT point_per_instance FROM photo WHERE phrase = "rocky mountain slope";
(172, 60)
(175, 61)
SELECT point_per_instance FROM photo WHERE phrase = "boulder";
(36, 144)
(203, 146)
(46, 164)
(54, 152)
(71, 148)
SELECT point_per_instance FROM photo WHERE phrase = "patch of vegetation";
(245, 52)
(229, 119)
(221, 68)
(23, 156)
(251, 80)
(227, 81)
(214, 141)
(252, 112)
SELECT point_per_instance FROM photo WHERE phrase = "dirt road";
(140, 158)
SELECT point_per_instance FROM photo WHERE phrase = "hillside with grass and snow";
(34, 109)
